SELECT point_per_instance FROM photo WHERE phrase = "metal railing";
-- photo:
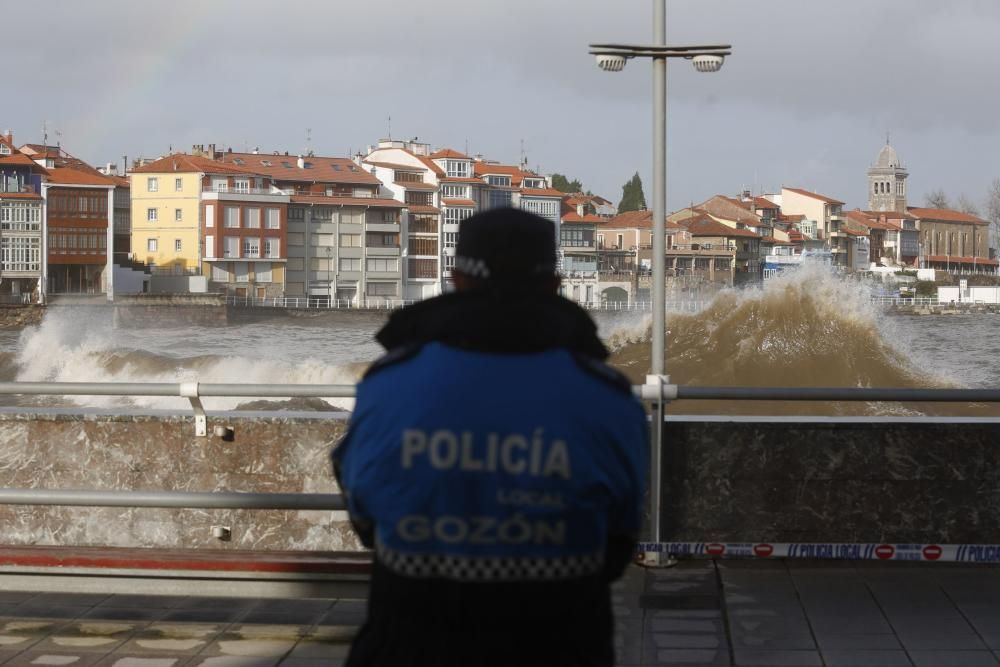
(325, 303)
(655, 392)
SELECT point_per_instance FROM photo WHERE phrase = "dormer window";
(4, 149)
(500, 181)
(534, 183)
(457, 168)
(266, 163)
(237, 161)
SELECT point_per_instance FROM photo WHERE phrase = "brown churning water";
(806, 329)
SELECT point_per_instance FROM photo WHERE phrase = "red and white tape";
(946, 553)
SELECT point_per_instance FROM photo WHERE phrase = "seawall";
(99, 450)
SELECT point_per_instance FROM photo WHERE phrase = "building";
(822, 218)
(743, 266)
(343, 233)
(887, 182)
(953, 241)
(193, 216)
(578, 244)
(21, 222)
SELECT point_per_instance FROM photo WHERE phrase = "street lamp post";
(705, 58)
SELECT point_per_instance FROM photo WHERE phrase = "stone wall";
(904, 481)
(101, 451)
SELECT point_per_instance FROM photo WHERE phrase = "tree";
(936, 199)
(966, 205)
(993, 209)
(563, 184)
(633, 198)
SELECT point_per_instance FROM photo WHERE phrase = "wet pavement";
(771, 613)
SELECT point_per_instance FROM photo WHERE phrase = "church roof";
(887, 158)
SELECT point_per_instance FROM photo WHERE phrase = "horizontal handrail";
(173, 499)
(646, 392)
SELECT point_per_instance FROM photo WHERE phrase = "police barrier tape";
(948, 553)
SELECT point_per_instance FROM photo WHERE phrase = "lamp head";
(707, 63)
(610, 63)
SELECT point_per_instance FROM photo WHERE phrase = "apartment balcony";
(225, 193)
(578, 266)
(382, 251)
(382, 226)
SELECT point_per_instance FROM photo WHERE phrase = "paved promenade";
(772, 613)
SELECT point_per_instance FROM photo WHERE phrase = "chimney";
(579, 210)
(10, 136)
(256, 150)
(301, 162)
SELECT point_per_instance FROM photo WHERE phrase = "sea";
(810, 328)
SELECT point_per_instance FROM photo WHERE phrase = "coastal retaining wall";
(725, 479)
(97, 450)
(871, 480)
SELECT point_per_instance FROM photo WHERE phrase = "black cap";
(506, 245)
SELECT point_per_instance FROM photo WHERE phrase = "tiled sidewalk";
(793, 614)
(771, 613)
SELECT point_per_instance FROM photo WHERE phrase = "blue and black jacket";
(495, 464)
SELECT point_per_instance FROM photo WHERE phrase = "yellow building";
(167, 211)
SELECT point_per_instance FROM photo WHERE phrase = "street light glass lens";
(610, 63)
(708, 63)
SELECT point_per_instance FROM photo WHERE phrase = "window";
(232, 216)
(453, 216)
(151, 214)
(419, 198)
(380, 289)
(220, 272)
(408, 177)
(382, 264)
(271, 247)
(620, 244)
(382, 240)
(544, 208)
(450, 191)
(422, 269)
(423, 246)
(210, 215)
(457, 168)
(152, 185)
(350, 263)
(242, 272)
(262, 271)
(241, 185)
(499, 181)
(449, 262)
(4, 149)
(178, 184)
(450, 239)
(151, 245)
(296, 214)
(273, 218)
(538, 183)
(231, 246)
(251, 246)
(423, 224)
(499, 199)
(350, 240)
(177, 245)
(253, 218)
(209, 246)
(178, 215)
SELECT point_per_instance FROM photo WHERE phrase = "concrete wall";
(872, 480)
(91, 450)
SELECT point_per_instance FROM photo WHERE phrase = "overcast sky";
(805, 100)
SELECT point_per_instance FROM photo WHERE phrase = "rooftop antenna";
(466, 146)
(45, 133)
(309, 141)
(524, 158)
(58, 139)
(887, 137)
(389, 122)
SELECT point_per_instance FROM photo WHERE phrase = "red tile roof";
(374, 202)
(68, 176)
(449, 153)
(317, 169)
(20, 195)
(705, 226)
(18, 158)
(516, 174)
(184, 163)
(637, 220)
(814, 195)
(944, 215)
(576, 219)
(430, 164)
(547, 192)
(458, 202)
(455, 179)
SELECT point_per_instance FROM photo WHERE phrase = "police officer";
(495, 465)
